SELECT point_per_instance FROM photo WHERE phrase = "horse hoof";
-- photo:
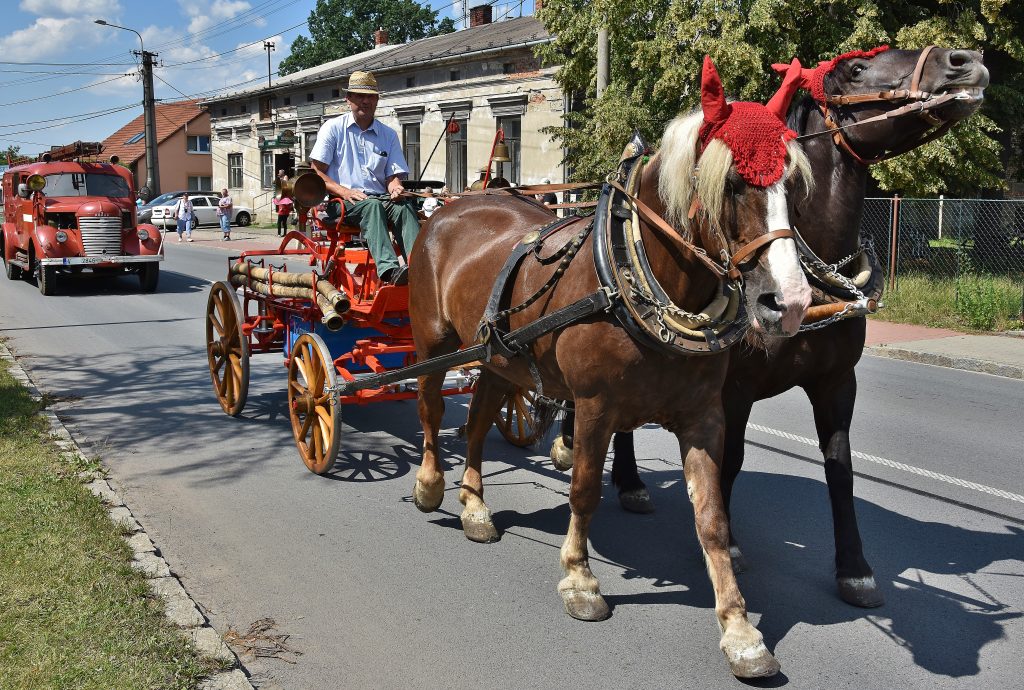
(636, 501)
(860, 591)
(749, 660)
(428, 498)
(739, 563)
(478, 527)
(585, 606)
(561, 456)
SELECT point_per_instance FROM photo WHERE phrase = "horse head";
(900, 96)
(726, 175)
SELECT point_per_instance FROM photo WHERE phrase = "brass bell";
(501, 153)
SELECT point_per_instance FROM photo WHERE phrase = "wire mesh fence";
(963, 243)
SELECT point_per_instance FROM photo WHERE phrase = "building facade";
(445, 96)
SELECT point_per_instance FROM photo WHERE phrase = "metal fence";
(947, 237)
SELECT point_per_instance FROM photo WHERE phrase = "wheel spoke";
(222, 384)
(217, 324)
(325, 437)
(301, 367)
(324, 415)
(295, 385)
(305, 427)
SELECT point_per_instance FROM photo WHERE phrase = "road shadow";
(89, 284)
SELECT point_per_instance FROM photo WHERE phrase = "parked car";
(145, 212)
(204, 207)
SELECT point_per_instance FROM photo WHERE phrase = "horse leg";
(561, 449)
(736, 416)
(579, 589)
(833, 411)
(741, 642)
(429, 490)
(633, 494)
(487, 399)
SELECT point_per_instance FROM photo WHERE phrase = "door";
(204, 212)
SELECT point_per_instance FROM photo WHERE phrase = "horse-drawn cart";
(325, 309)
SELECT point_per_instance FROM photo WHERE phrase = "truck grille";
(100, 235)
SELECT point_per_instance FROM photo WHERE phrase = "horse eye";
(857, 70)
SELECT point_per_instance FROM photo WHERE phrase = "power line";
(61, 93)
(112, 109)
(64, 124)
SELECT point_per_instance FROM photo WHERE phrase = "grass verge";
(982, 303)
(73, 613)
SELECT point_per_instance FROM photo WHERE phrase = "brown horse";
(616, 381)
(822, 362)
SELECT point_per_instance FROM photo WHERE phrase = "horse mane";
(681, 176)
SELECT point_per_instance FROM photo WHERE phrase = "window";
(235, 170)
(508, 68)
(200, 184)
(310, 141)
(267, 169)
(411, 149)
(287, 100)
(454, 75)
(198, 144)
(310, 97)
(410, 82)
(265, 112)
(335, 93)
(200, 201)
(223, 112)
(244, 108)
(512, 126)
(136, 139)
(455, 166)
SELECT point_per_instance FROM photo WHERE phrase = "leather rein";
(921, 103)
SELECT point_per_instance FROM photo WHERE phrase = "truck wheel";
(13, 272)
(47, 280)
(243, 219)
(149, 276)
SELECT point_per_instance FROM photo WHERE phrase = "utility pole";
(602, 58)
(149, 108)
(268, 46)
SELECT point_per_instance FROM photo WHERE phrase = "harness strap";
(753, 246)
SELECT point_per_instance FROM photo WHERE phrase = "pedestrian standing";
(284, 211)
(224, 207)
(183, 214)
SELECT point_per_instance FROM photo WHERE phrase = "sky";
(64, 78)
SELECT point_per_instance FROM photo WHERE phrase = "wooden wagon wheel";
(316, 420)
(227, 348)
(515, 418)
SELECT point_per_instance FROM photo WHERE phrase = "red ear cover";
(712, 94)
(779, 104)
(814, 79)
(803, 77)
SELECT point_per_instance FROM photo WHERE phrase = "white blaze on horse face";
(783, 262)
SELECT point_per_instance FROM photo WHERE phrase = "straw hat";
(363, 82)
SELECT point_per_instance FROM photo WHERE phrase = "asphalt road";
(375, 594)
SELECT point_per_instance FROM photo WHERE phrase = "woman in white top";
(183, 212)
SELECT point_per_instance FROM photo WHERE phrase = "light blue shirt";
(358, 159)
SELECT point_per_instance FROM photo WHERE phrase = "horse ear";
(712, 95)
(779, 103)
(804, 78)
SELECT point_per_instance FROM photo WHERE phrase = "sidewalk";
(242, 239)
(1002, 355)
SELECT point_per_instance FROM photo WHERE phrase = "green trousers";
(373, 216)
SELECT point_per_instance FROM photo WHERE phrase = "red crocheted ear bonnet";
(756, 134)
(814, 79)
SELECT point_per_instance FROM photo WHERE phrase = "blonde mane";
(680, 176)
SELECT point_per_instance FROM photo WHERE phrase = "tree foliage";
(657, 47)
(338, 28)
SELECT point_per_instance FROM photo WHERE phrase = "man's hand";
(395, 188)
(352, 195)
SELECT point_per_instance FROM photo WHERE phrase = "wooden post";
(893, 240)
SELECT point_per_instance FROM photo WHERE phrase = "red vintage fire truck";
(63, 214)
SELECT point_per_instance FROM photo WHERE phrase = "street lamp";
(149, 109)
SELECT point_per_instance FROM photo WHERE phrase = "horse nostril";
(960, 58)
(771, 302)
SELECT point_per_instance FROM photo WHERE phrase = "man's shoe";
(395, 276)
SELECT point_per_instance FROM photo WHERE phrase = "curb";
(983, 366)
(181, 608)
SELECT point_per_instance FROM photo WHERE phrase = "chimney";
(480, 15)
(380, 38)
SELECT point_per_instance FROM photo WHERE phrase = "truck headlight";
(143, 235)
(61, 236)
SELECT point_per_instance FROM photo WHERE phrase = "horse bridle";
(921, 103)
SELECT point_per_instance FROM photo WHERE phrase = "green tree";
(338, 28)
(658, 45)
(13, 155)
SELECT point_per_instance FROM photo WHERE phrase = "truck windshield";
(86, 184)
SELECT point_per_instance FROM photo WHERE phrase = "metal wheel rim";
(515, 418)
(227, 348)
(317, 431)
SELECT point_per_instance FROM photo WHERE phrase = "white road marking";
(897, 465)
